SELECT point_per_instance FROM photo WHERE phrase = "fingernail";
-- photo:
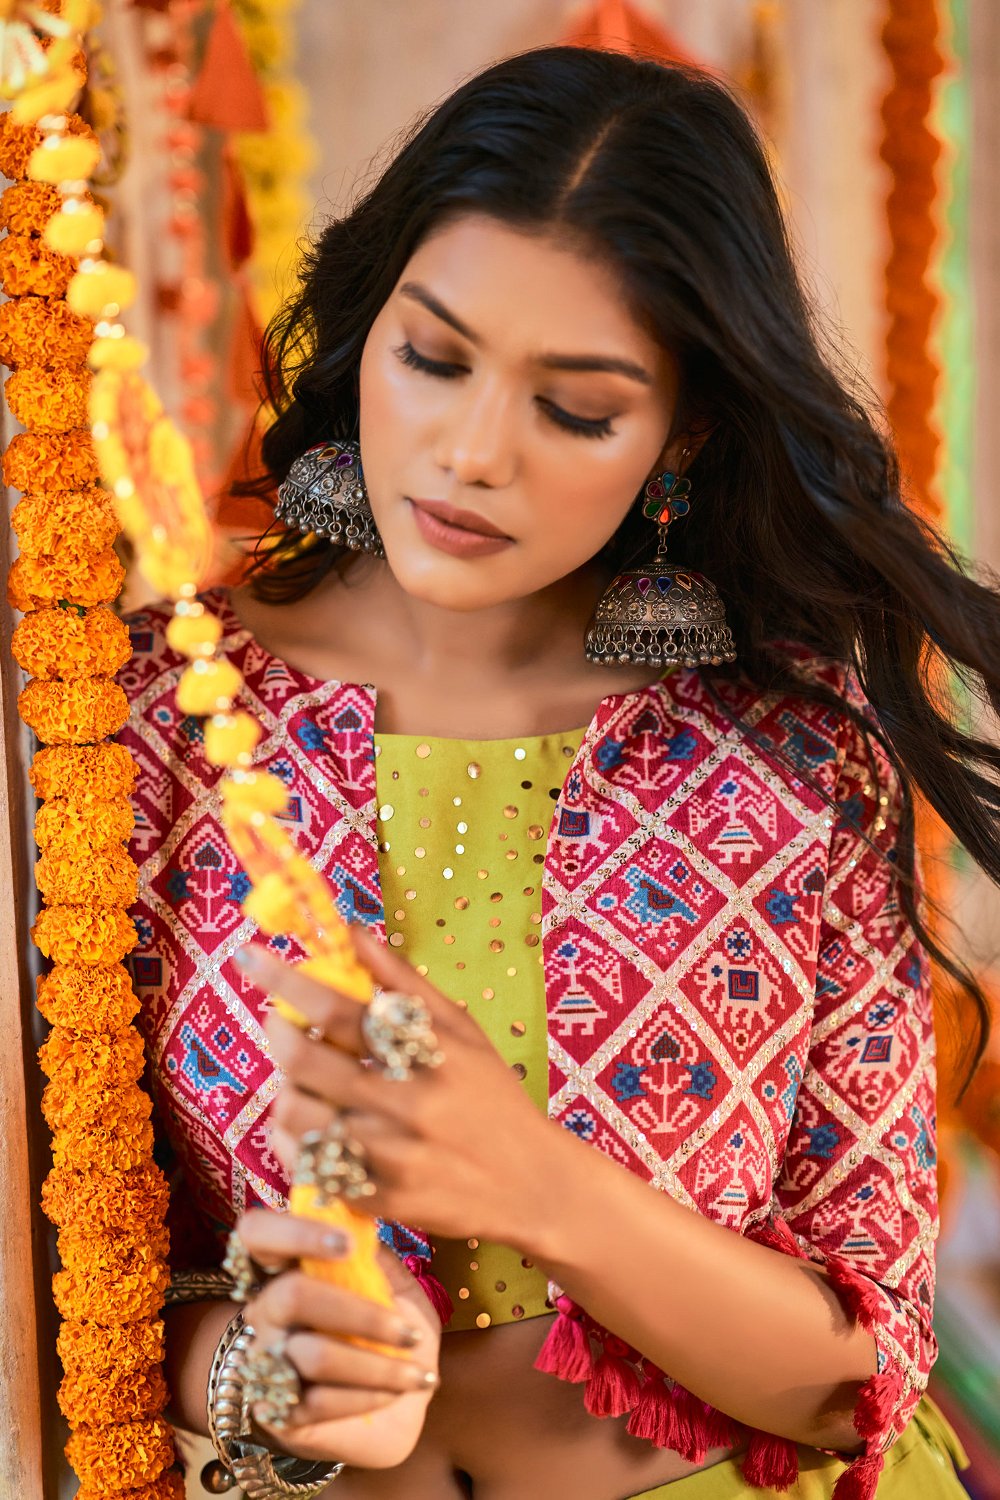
(334, 1243)
(425, 1379)
(246, 959)
(410, 1337)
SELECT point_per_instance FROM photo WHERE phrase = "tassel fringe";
(566, 1350)
(771, 1462)
(613, 1388)
(860, 1480)
(431, 1288)
(860, 1296)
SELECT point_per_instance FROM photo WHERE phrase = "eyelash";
(595, 427)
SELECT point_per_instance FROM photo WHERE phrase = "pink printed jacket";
(738, 1011)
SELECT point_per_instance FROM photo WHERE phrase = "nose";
(477, 443)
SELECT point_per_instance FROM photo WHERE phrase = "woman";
(574, 279)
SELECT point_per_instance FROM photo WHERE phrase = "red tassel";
(613, 1388)
(690, 1434)
(652, 1414)
(777, 1236)
(860, 1295)
(431, 1288)
(877, 1401)
(771, 1462)
(566, 1350)
(860, 1480)
(720, 1431)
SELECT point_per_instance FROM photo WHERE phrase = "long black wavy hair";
(799, 521)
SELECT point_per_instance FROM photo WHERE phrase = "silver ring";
(316, 1034)
(248, 1274)
(271, 1382)
(333, 1162)
(397, 1029)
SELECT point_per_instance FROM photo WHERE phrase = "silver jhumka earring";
(662, 612)
(325, 493)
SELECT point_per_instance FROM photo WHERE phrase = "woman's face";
(506, 377)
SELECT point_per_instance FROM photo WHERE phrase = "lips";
(467, 520)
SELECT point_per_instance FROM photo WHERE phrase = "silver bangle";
(208, 1285)
(261, 1474)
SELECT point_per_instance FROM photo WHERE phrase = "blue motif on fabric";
(143, 930)
(582, 1123)
(202, 1068)
(283, 769)
(652, 902)
(609, 753)
(804, 747)
(881, 1015)
(309, 735)
(744, 984)
(736, 1140)
(851, 811)
(864, 1193)
(826, 986)
(177, 885)
(789, 1094)
(739, 944)
(222, 1038)
(823, 1141)
(574, 786)
(192, 729)
(354, 902)
(568, 950)
(780, 907)
(401, 1241)
(703, 1079)
(572, 824)
(877, 1049)
(147, 970)
(292, 812)
(607, 902)
(913, 972)
(923, 1145)
(142, 642)
(682, 745)
(239, 884)
(627, 1082)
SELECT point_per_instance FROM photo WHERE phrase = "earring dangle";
(662, 612)
(325, 493)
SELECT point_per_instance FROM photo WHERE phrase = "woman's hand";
(458, 1149)
(358, 1406)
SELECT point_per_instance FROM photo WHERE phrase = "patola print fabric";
(737, 1010)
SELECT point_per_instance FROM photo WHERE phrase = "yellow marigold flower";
(103, 1149)
(65, 1107)
(91, 1061)
(106, 879)
(230, 739)
(92, 1292)
(26, 207)
(85, 997)
(93, 1346)
(207, 687)
(70, 643)
(100, 289)
(86, 579)
(80, 826)
(73, 520)
(73, 713)
(43, 331)
(84, 934)
(63, 159)
(28, 268)
(81, 772)
(50, 461)
(17, 141)
(111, 1200)
(125, 1252)
(78, 226)
(258, 791)
(48, 400)
(124, 353)
(195, 632)
(88, 1399)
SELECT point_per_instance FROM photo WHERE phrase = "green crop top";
(463, 827)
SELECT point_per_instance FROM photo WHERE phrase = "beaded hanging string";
(104, 1193)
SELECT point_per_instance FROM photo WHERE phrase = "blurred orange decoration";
(618, 26)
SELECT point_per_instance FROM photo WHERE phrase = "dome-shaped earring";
(325, 493)
(662, 612)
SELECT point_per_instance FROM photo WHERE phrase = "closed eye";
(445, 370)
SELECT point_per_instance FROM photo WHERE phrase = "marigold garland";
(106, 879)
(30, 268)
(121, 1456)
(43, 331)
(169, 1486)
(83, 827)
(48, 524)
(73, 713)
(26, 207)
(87, 579)
(50, 460)
(101, 1147)
(87, 1399)
(80, 934)
(71, 642)
(106, 1348)
(99, 771)
(113, 1200)
(47, 400)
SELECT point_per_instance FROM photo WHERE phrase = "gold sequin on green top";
(463, 826)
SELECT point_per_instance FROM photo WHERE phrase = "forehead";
(532, 290)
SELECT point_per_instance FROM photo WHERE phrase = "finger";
(321, 1403)
(335, 1014)
(332, 1362)
(330, 1075)
(297, 1301)
(297, 1113)
(275, 1237)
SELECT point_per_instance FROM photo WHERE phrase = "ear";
(682, 450)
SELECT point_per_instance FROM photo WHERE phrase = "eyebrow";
(583, 363)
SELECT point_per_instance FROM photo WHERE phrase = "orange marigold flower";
(169, 1486)
(87, 998)
(43, 331)
(85, 580)
(71, 642)
(98, 1347)
(26, 207)
(123, 1252)
(83, 826)
(107, 879)
(48, 400)
(18, 141)
(113, 1200)
(103, 1148)
(67, 1107)
(73, 713)
(28, 268)
(94, 1291)
(88, 1060)
(50, 460)
(75, 520)
(88, 1399)
(122, 1456)
(84, 934)
(81, 772)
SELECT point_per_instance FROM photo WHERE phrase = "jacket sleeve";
(858, 1184)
